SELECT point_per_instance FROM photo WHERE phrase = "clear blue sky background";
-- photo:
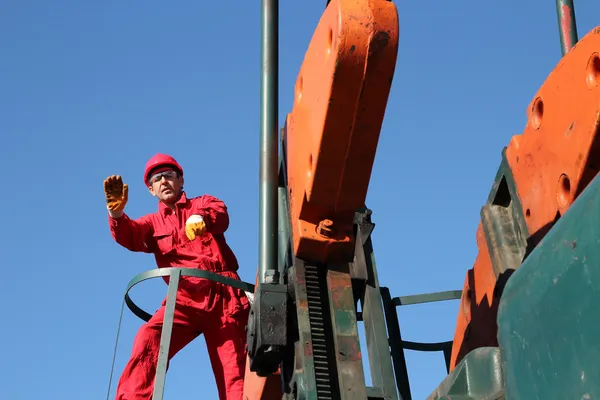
(89, 89)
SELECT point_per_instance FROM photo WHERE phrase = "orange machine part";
(333, 129)
(558, 153)
(476, 322)
(261, 388)
(552, 162)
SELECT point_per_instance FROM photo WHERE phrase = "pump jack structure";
(526, 324)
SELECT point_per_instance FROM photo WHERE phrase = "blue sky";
(89, 89)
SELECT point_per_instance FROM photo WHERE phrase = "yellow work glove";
(116, 193)
(195, 226)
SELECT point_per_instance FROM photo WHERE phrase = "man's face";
(166, 184)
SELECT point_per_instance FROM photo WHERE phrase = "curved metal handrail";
(174, 274)
(428, 347)
(162, 272)
(427, 298)
(398, 345)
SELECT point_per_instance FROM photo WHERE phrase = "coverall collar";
(164, 209)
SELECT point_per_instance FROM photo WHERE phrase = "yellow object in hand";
(195, 226)
(116, 193)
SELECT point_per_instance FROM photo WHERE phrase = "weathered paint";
(348, 349)
(340, 98)
(345, 318)
(350, 369)
(304, 373)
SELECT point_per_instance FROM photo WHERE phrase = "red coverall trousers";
(204, 307)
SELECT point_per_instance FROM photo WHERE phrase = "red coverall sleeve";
(214, 212)
(134, 235)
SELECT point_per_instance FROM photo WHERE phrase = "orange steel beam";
(476, 322)
(333, 129)
(552, 162)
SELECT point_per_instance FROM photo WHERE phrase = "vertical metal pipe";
(267, 239)
(567, 28)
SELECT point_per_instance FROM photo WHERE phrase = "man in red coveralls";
(185, 232)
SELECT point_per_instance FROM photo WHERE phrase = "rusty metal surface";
(303, 384)
(328, 356)
(351, 374)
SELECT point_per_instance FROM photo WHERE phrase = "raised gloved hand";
(116, 193)
(195, 226)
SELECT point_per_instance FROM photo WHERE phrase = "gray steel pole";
(567, 27)
(267, 254)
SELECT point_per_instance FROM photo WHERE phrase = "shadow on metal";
(478, 376)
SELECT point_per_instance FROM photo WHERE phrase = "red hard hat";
(160, 160)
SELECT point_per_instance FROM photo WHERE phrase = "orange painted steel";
(261, 388)
(558, 154)
(552, 162)
(333, 129)
(476, 322)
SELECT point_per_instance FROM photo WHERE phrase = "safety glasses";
(170, 174)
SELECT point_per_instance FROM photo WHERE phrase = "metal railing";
(398, 345)
(174, 275)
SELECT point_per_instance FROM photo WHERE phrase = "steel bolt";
(325, 228)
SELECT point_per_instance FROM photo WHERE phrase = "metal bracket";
(358, 268)
(267, 328)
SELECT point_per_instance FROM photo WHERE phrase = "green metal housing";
(548, 329)
(478, 376)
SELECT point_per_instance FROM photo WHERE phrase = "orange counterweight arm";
(333, 129)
